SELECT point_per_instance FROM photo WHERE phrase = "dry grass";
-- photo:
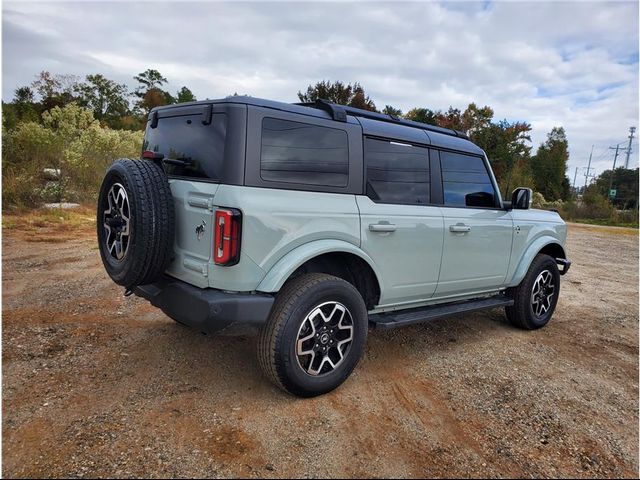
(57, 224)
(604, 228)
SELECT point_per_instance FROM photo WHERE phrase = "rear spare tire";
(135, 222)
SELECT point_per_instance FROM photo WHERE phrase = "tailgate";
(194, 204)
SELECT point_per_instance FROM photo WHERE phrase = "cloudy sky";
(570, 64)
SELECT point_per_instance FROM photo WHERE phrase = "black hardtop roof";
(373, 123)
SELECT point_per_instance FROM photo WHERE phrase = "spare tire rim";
(324, 338)
(542, 293)
(116, 221)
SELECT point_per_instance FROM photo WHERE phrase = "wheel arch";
(333, 257)
(546, 245)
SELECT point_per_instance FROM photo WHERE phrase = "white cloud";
(570, 64)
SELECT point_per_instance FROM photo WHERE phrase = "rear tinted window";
(396, 172)
(187, 138)
(294, 152)
(465, 181)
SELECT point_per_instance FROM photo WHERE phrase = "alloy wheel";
(542, 293)
(116, 222)
(324, 338)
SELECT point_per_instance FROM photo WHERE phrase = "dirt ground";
(98, 385)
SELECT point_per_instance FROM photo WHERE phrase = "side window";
(294, 152)
(465, 181)
(396, 172)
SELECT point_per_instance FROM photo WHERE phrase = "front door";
(477, 232)
(477, 248)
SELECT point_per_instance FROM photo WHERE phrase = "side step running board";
(385, 321)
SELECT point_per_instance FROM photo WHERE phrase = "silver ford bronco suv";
(310, 223)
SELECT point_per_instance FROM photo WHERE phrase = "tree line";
(114, 107)
(112, 104)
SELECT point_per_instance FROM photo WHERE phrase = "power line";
(604, 153)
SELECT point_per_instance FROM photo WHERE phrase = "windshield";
(199, 147)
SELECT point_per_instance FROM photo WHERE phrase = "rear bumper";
(208, 310)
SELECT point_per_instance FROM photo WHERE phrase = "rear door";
(401, 231)
(197, 157)
(477, 232)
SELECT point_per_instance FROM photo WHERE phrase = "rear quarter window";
(301, 153)
(186, 138)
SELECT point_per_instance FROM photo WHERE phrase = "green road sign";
(612, 193)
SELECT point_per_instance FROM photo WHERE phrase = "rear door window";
(185, 138)
(295, 152)
(465, 181)
(396, 172)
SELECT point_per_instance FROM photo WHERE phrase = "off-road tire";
(278, 337)
(521, 314)
(151, 222)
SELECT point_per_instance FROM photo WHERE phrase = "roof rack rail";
(336, 111)
(340, 112)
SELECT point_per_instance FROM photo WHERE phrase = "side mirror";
(521, 198)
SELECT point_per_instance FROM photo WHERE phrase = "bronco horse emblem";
(200, 230)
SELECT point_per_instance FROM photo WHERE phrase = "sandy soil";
(98, 385)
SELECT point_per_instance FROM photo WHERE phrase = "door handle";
(382, 227)
(460, 228)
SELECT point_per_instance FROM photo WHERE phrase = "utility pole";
(617, 148)
(631, 130)
(586, 175)
(575, 188)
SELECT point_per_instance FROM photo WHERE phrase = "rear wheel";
(536, 297)
(315, 335)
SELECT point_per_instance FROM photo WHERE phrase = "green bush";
(595, 205)
(593, 208)
(93, 151)
(69, 139)
(596, 209)
(626, 217)
(540, 202)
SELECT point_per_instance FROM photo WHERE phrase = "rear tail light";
(226, 246)
(152, 155)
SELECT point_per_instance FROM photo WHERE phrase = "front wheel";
(536, 297)
(315, 335)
